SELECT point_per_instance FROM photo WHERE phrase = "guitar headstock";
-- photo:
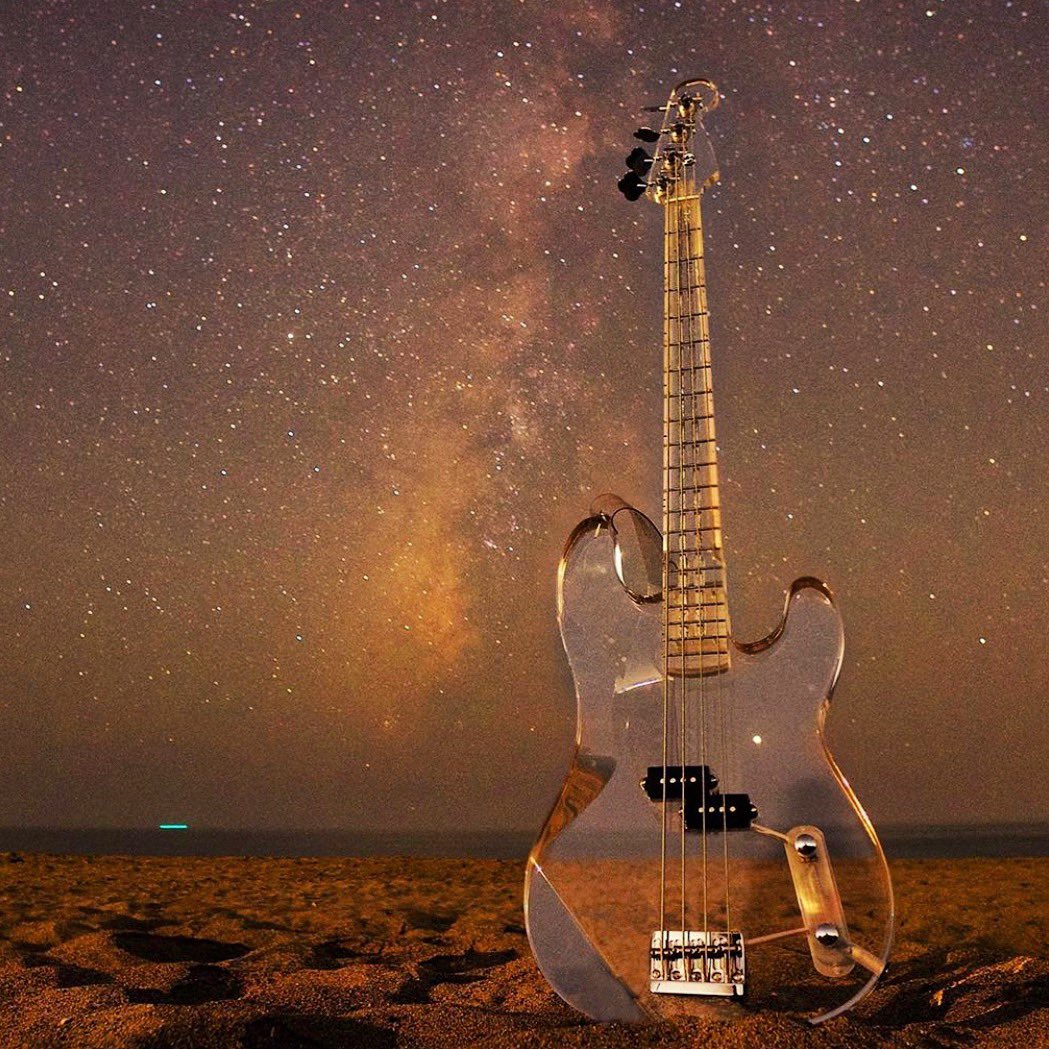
(684, 163)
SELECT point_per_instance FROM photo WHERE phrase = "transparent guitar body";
(598, 887)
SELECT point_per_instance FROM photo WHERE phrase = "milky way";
(324, 323)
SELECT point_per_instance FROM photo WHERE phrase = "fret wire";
(692, 634)
(689, 531)
(701, 418)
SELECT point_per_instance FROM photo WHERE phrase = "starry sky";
(323, 323)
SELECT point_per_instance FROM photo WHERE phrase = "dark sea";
(900, 842)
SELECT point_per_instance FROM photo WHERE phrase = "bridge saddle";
(697, 962)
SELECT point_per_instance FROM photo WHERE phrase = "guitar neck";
(697, 628)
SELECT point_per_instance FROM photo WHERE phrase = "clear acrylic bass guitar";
(706, 855)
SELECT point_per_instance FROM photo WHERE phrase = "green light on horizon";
(174, 826)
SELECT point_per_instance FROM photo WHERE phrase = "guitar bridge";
(696, 962)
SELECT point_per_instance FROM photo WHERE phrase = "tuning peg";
(631, 186)
(646, 134)
(638, 161)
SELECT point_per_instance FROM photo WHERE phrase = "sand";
(239, 952)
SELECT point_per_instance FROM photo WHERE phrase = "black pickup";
(698, 786)
(696, 780)
(723, 812)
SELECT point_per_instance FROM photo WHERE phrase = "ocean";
(900, 842)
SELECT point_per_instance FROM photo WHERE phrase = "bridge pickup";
(723, 812)
(693, 781)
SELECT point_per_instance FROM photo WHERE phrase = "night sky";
(323, 323)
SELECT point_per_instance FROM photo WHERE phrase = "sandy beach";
(241, 952)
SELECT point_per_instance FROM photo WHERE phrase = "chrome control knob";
(805, 844)
(827, 934)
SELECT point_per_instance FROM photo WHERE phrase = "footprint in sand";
(152, 947)
(469, 967)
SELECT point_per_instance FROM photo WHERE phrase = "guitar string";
(682, 336)
(673, 338)
(663, 941)
(693, 264)
(722, 603)
(684, 557)
(675, 441)
(712, 620)
(684, 572)
(721, 636)
(709, 622)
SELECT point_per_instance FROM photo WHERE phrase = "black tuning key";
(646, 134)
(638, 161)
(631, 186)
